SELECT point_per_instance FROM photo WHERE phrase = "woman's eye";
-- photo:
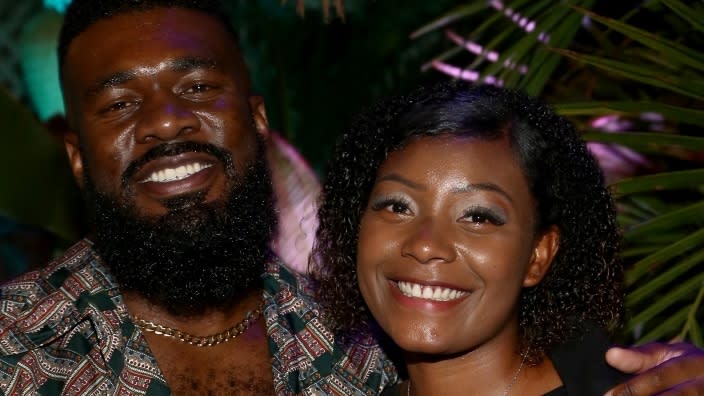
(397, 207)
(482, 216)
(477, 218)
(392, 205)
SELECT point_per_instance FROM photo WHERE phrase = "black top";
(579, 363)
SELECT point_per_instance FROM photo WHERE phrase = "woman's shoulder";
(582, 366)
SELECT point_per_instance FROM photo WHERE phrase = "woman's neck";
(488, 370)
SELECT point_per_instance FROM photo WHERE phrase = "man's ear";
(256, 104)
(546, 246)
(75, 160)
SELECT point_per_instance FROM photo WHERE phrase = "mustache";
(173, 149)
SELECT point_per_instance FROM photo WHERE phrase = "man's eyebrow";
(184, 64)
(470, 187)
(191, 63)
(400, 179)
(113, 80)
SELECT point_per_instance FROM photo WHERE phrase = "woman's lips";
(429, 292)
(425, 296)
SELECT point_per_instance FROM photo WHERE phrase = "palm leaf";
(652, 262)
(691, 214)
(666, 49)
(685, 291)
(692, 16)
(633, 70)
(671, 324)
(661, 181)
(643, 292)
(641, 73)
(595, 108)
(460, 12)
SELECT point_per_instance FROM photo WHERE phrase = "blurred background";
(629, 74)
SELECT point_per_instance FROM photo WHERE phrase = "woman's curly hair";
(584, 283)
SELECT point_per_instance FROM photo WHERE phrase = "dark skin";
(664, 369)
(450, 214)
(171, 75)
(175, 75)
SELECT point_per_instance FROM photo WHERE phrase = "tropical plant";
(634, 68)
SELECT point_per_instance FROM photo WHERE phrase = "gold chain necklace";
(205, 341)
(510, 384)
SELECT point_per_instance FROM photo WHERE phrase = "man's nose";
(165, 117)
(429, 241)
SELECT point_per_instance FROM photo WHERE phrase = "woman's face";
(447, 242)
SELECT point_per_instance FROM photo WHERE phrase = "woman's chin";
(425, 348)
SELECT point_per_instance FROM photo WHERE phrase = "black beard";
(199, 256)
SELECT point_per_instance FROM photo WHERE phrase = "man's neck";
(241, 365)
(209, 321)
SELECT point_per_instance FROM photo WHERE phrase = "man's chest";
(238, 367)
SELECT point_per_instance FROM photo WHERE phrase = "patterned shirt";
(64, 330)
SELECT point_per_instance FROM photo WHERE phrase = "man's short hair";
(82, 14)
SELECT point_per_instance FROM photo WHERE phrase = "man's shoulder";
(305, 355)
(281, 280)
(70, 274)
(63, 329)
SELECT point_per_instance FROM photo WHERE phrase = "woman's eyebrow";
(400, 179)
(471, 187)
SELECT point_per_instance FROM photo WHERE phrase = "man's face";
(168, 147)
(141, 80)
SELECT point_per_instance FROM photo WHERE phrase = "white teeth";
(434, 293)
(175, 174)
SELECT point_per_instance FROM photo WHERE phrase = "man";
(176, 292)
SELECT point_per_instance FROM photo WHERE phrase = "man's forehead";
(151, 40)
(178, 27)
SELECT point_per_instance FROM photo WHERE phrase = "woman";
(485, 240)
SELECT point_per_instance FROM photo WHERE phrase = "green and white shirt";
(64, 330)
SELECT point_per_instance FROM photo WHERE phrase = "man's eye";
(117, 106)
(198, 88)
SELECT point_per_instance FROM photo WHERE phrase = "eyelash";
(476, 215)
(199, 87)
(117, 106)
(484, 215)
(391, 201)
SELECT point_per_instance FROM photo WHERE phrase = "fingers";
(638, 359)
(682, 372)
(689, 388)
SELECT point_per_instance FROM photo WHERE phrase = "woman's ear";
(546, 246)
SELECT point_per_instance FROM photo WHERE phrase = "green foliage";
(36, 188)
(631, 60)
(316, 75)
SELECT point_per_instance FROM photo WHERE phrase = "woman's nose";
(428, 242)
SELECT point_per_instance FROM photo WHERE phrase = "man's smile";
(174, 174)
(169, 176)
